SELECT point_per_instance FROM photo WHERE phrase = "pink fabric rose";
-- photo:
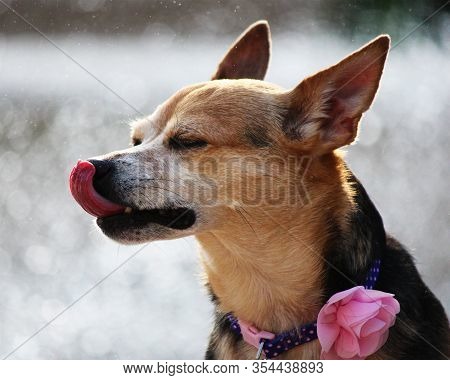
(355, 323)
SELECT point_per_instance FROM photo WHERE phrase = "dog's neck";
(270, 280)
(273, 273)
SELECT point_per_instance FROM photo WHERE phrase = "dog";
(208, 162)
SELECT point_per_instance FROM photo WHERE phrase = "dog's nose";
(102, 168)
(103, 177)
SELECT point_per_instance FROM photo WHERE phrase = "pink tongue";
(83, 191)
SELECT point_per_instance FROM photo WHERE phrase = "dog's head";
(213, 148)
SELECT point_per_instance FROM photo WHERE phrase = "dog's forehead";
(225, 93)
(223, 100)
(228, 105)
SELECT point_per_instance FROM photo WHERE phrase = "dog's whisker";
(238, 210)
(156, 179)
(170, 191)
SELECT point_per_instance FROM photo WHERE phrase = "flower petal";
(330, 355)
(391, 304)
(386, 315)
(354, 312)
(328, 313)
(372, 343)
(370, 295)
(346, 345)
(355, 323)
(356, 328)
(327, 334)
(372, 326)
(344, 296)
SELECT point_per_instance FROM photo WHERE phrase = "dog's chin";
(140, 226)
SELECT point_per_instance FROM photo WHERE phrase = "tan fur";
(278, 265)
(254, 172)
(265, 263)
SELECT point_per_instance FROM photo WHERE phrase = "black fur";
(221, 329)
(422, 328)
(350, 255)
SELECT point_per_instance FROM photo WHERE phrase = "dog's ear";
(249, 55)
(325, 109)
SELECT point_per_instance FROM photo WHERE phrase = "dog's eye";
(178, 143)
(136, 142)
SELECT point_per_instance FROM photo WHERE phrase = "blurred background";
(52, 112)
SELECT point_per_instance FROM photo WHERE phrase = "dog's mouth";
(178, 218)
(110, 213)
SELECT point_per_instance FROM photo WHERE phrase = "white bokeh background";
(52, 113)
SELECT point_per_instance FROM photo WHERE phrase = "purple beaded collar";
(287, 340)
